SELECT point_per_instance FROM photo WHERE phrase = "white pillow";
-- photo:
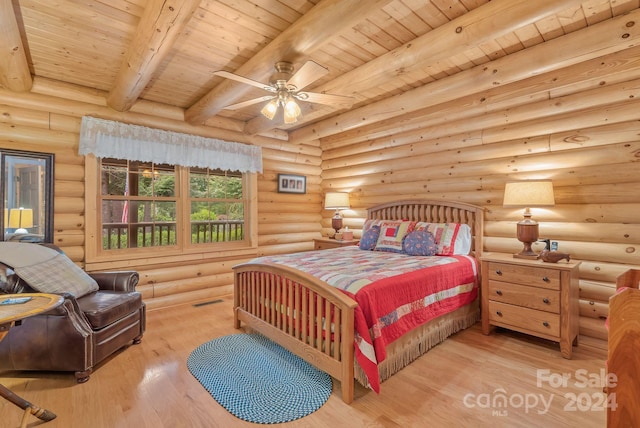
(463, 240)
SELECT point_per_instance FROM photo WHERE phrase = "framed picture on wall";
(289, 183)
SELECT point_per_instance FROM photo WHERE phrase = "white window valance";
(109, 139)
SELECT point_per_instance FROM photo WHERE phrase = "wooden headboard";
(435, 212)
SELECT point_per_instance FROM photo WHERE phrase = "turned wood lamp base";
(527, 233)
(336, 222)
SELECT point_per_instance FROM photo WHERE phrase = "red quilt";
(395, 292)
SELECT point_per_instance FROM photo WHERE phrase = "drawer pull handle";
(545, 279)
(499, 313)
(499, 292)
(498, 272)
(545, 300)
(546, 324)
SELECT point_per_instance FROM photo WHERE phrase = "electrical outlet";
(554, 245)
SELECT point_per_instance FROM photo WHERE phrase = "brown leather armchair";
(80, 333)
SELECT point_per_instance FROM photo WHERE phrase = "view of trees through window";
(140, 205)
(217, 208)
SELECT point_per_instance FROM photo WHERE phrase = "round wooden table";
(9, 314)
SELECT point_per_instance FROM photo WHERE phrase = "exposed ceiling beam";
(485, 23)
(591, 42)
(14, 67)
(159, 27)
(311, 31)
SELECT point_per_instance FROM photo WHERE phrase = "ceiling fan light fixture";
(285, 87)
(269, 110)
(291, 111)
(289, 119)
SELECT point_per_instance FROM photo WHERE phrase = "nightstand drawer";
(524, 318)
(326, 243)
(521, 274)
(522, 295)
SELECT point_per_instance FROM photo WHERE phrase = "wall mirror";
(27, 196)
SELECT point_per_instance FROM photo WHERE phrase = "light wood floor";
(454, 384)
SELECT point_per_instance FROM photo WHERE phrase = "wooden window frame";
(98, 259)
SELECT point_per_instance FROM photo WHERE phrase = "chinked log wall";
(48, 120)
(578, 126)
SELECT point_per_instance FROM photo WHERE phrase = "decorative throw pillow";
(391, 234)
(369, 223)
(420, 243)
(452, 238)
(370, 238)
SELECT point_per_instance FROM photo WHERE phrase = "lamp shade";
(529, 194)
(269, 110)
(336, 201)
(21, 218)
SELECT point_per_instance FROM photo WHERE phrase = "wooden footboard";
(301, 313)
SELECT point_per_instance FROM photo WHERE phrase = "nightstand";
(532, 297)
(326, 243)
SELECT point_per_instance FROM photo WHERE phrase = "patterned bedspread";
(395, 292)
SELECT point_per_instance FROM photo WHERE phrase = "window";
(138, 204)
(145, 206)
(217, 208)
(26, 196)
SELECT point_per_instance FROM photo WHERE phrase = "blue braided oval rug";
(257, 380)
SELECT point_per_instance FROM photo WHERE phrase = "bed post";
(237, 289)
(347, 350)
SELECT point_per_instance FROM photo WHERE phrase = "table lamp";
(336, 201)
(528, 194)
(21, 219)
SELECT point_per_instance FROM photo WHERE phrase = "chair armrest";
(116, 281)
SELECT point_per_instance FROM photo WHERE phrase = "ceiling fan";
(285, 88)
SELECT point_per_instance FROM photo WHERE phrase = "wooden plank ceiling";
(376, 50)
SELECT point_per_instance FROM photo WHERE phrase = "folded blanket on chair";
(45, 269)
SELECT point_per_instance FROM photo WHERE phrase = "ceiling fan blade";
(237, 78)
(307, 74)
(337, 101)
(248, 103)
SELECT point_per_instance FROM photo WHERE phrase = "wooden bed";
(276, 300)
(623, 363)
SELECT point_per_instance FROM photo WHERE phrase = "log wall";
(47, 119)
(578, 126)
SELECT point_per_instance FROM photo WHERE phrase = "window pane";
(164, 183)
(198, 184)
(114, 211)
(234, 188)
(114, 224)
(215, 184)
(165, 212)
(114, 180)
(216, 222)
(155, 224)
(137, 218)
(154, 180)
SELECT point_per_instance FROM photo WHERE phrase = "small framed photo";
(289, 183)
